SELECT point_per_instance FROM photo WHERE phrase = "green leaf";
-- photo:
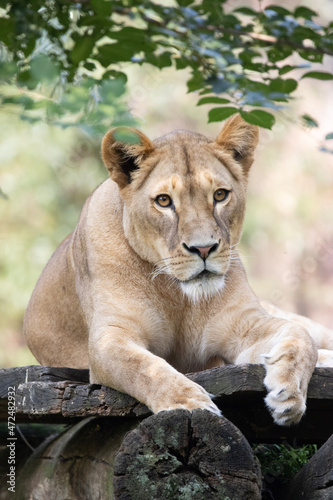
(44, 69)
(82, 48)
(329, 136)
(185, 3)
(102, 7)
(320, 75)
(161, 60)
(7, 29)
(301, 33)
(311, 56)
(196, 82)
(132, 36)
(248, 54)
(212, 6)
(309, 121)
(275, 54)
(284, 86)
(205, 91)
(26, 79)
(212, 100)
(111, 89)
(285, 69)
(7, 71)
(114, 53)
(259, 117)
(230, 21)
(304, 12)
(247, 11)
(181, 62)
(130, 41)
(90, 66)
(219, 114)
(281, 11)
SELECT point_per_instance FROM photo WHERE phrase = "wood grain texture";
(75, 465)
(178, 454)
(34, 373)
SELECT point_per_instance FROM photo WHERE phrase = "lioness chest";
(184, 339)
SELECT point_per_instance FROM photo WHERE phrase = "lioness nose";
(202, 251)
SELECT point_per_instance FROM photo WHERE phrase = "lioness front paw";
(289, 366)
(287, 406)
(191, 398)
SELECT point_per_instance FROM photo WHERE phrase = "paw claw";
(195, 397)
(280, 392)
(287, 410)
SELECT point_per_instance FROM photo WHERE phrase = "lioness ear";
(240, 139)
(123, 148)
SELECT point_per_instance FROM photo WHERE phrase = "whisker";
(163, 260)
(157, 272)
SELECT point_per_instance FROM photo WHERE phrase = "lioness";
(150, 285)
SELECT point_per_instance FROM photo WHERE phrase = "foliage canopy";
(67, 58)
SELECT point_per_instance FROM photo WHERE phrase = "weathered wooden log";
(76, 465)
(184, 455)
(170, 455)
(315, 480)
(28, 437)
(65, 401)
(239, 394)
(13, 377)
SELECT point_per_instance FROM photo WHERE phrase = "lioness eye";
(221, 195)
(163, 200)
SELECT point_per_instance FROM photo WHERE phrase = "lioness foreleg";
(119, 361)
(290, 357)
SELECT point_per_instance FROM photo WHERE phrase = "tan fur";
(124, 294)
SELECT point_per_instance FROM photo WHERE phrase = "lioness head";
(184, 199)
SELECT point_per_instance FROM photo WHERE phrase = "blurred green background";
(287, 245)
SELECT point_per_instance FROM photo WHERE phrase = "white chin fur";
(205, 289)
